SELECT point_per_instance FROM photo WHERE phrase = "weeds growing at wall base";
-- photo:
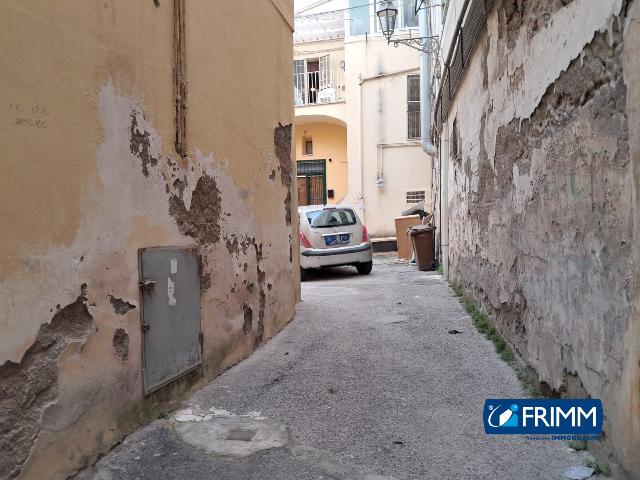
(483, 325)
(599, 468)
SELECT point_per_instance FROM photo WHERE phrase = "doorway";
(313, 79)
(312, 182)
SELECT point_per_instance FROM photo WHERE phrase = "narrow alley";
(320, 239)
(367, 382)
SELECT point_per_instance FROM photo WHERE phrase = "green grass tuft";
(577, 445)
(483, 325)
(599, 468)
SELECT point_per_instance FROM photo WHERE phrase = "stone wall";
(542, 202)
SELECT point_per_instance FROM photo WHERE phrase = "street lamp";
(387, 15)
(420, 4)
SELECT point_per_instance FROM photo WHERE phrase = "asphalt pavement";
(366, 383)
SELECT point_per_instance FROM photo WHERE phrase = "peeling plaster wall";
(90, 175)
(542, 152)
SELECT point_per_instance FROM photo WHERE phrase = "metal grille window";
(312, 182)
(415, 196)
(413, 106)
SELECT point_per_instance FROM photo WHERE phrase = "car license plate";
(336, 239)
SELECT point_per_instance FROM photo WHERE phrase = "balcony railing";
(313, 88)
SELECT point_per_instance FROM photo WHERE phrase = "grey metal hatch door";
(170, 297)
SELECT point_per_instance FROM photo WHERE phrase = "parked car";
(333, 236)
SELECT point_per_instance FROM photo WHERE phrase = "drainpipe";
(444, 199)
(425, 90)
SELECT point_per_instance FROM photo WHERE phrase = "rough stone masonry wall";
(541, 199)
(92, 172)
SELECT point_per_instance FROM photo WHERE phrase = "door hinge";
(145, 327)
(201, 339)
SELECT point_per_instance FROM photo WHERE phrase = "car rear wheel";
(364, 268)
(303, 274)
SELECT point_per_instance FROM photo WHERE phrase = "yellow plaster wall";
(76, 203)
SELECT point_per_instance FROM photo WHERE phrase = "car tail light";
(303, 240)
(365, 234)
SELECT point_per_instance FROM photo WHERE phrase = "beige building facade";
(372, 89)
(126, 126)
(537, 193)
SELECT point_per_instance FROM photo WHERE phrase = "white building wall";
(375, 112)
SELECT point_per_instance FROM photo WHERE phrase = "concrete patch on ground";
(237, 436)
(223, 433)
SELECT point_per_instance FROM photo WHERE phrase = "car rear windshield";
(334, 217)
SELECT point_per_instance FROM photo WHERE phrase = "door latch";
(147, 284)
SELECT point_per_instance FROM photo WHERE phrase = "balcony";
(318, 88)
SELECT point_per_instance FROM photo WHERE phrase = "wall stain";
(202, 220)
(140, 145)
(282, 143)
(248, 319)
(233, 246)
(120, 306)
(532, 15)
(121, 344)
(262, 296)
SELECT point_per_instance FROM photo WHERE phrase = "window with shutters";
(413, 106)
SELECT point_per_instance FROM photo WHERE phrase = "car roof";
(308, 208)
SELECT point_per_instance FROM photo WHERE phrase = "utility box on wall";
(170, 315)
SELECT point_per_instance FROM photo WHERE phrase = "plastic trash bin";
(403, 224)
(423, 244)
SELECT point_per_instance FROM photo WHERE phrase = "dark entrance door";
(312, 182)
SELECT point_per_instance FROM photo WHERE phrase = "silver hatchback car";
(333, 236)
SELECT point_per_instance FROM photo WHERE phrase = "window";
(308, 146)
(413, 106)
(359, 16)
(408, 17)
(331, 217)
(299, 82)
(310, 77)
(415, 196)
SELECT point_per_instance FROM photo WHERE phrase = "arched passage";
(321, 159)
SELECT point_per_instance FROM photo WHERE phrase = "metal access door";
(170, 298)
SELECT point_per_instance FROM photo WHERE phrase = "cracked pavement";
(365, 383)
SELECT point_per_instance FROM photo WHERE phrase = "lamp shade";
(387, 15)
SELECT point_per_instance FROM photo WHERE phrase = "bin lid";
(421, 229)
